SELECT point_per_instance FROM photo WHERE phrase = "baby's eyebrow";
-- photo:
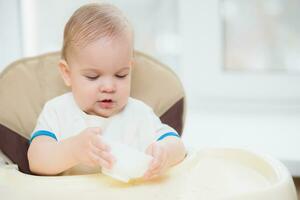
(89, 70)
(98, 71)
(123, 69)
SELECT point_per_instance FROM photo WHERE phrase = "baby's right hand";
(90, 149)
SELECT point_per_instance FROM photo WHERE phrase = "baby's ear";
(65, 72)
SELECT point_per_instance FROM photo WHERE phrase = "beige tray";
(234, 174)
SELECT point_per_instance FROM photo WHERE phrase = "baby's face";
(100, 75)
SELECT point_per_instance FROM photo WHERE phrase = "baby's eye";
(121, 76)
(92, 77)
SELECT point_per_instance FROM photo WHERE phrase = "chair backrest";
(27, 84)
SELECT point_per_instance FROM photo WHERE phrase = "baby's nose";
(108, 86)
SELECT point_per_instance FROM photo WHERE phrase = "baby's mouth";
(106, 103)
(106, 100)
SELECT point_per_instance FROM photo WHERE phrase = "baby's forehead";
(113, 49)
(82, 39)
(106, 41)
(102, 59)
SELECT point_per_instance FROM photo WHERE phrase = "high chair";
(27, 84)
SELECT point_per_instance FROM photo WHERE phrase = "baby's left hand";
(159, 162)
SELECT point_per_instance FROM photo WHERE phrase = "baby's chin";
(101, 114)
(106, 113)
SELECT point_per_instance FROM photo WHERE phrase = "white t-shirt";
(136, 125)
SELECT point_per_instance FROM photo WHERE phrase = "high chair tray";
(220, 173)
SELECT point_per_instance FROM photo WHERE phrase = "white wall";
(207, 83)
(10, 32)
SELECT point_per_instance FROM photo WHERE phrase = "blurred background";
(239, 61)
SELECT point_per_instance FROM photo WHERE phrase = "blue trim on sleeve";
(167, 135)
(43, 132)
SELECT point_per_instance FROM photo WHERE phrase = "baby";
(96, 64)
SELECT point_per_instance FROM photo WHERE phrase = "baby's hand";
(90, 149)
(159, 162)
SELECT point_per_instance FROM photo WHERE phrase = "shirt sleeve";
(161, 130)
(47, 123)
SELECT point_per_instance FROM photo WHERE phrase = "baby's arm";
(46, 156)
(166, 153)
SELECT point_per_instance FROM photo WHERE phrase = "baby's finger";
(154, 164)
(94, 159)
(150, 175)
(98, 143)
(147, 175)
(103, 154)
(156, 171)
(158, 158)
(157, 151)
(104, 163)
(108, 157)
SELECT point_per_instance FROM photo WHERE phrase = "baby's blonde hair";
(91, 22)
